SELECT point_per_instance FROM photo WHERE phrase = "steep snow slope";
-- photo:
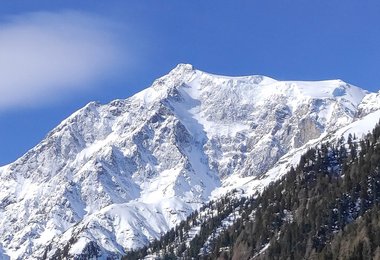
(252, 184)
(370, 103)
(113, 176)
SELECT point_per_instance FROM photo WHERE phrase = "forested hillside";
(325, 208)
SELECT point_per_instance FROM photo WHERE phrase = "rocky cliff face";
(111, 177)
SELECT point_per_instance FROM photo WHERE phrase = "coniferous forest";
(328, 207)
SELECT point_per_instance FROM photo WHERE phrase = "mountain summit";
(112, 177)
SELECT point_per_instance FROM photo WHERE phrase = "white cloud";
(44, 56)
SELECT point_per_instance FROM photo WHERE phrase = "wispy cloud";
(44, 56)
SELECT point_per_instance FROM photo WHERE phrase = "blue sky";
(56, 56)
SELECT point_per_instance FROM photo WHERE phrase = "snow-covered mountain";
(112, 177)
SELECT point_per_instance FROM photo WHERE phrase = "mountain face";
(327, 207)
(112, 177)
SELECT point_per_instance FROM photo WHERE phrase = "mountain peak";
(134, 168)
(182, 68)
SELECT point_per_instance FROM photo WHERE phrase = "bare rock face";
(308, 130)
(111, 177)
